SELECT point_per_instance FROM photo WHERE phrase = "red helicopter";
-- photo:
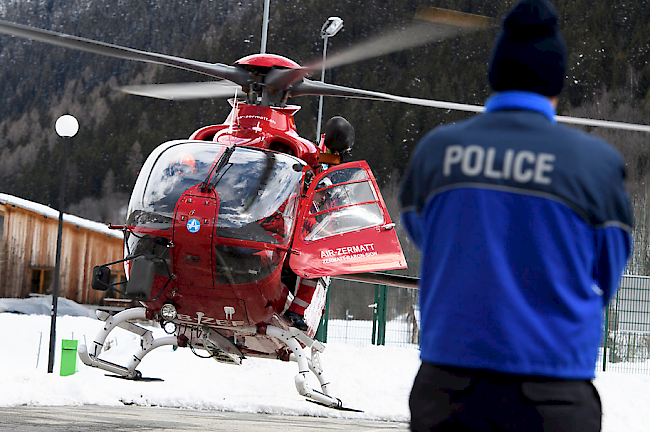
(224, 226)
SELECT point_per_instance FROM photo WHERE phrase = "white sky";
(374, 379)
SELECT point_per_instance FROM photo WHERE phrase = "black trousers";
(460, 399)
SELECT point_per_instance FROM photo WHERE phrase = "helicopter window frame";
(323, 229)
(334, 186)
(316, 230)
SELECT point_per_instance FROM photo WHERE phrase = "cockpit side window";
(343, 202)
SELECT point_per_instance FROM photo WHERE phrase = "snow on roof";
(42, 305)
(50, 212)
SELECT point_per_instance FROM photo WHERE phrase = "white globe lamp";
(66, 126)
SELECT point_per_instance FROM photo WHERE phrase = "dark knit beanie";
(529, 53)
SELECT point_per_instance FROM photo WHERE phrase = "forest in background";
(608, 78)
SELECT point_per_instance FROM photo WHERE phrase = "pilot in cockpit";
(182, 164)
(321, 197)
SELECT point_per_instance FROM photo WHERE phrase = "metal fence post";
(606, 342)
(612, 351)
(375, 316)
(321, 333)
(381, 315)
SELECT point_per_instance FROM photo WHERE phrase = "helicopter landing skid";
(147, 379)
(293, 339)
(340, 408)
(212, 341)
(147, 343)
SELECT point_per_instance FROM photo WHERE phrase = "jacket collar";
(521, 100)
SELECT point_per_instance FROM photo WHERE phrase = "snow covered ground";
(374, 379)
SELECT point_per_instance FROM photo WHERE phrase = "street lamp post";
(66, 127)
(265, 26)
(331, 27)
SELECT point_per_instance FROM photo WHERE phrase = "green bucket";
(68, 357)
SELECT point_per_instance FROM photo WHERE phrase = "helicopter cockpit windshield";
(168, 172)
(258, 190)
(258, 196)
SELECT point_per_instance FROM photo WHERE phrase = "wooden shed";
(28, 235)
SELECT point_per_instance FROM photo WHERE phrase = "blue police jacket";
(524, 227)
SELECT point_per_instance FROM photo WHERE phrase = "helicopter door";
(344, 226)
(193, 231)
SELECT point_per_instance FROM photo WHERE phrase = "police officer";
(524, 227)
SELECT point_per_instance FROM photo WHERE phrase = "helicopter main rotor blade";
(185, 91)
(217, 70)
(603, 123)
(316, 88)
(433, 25)
(413, 36)
(309, 87)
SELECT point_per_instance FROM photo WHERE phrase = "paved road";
(92, 418)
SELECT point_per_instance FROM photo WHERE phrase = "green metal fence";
(626, 341)
(363, 314)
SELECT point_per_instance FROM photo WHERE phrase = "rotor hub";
(267, 60)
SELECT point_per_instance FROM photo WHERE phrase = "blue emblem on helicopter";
(193, 225)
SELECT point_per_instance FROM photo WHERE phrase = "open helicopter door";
(344, 226)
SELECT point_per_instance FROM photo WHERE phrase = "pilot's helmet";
(182, 164)
(326, 182)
